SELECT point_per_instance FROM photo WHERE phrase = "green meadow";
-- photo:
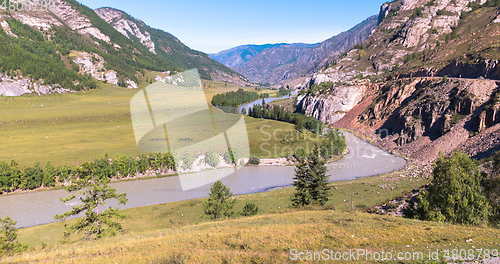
(69, 129)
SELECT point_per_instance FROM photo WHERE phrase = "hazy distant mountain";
(274, 63)
(242, 54)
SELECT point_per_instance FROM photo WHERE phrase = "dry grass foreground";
(178, 231)
(269, 238)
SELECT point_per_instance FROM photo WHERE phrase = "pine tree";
(220, 203)
(301, 182)
(319, 184)
(311, 180)
(8, 237)
(93, 193)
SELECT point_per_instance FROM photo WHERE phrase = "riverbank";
(348, 195)
(362, 160)
(161, 233)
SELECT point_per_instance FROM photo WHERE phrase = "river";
(268, 100)
(363, 160)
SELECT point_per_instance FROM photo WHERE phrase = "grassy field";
(73, 128)
(288, 104)
(163, 233)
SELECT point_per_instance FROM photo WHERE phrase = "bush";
(13, 177)
(418, 12)
(250, 209)
(491, 185)
(8, 237)
(455, 194)
(220, 202)
(212, 159)
(321, 87)
(230, 157)
(254, 161)
(187, 162)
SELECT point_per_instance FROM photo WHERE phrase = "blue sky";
(214, 25)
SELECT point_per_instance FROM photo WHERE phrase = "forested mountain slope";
(66, 46)
(427, 80)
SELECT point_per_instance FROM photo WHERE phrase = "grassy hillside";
(162, 233)
(71, 128)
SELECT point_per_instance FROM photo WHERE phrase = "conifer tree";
(311, 180)
(93, 193)
(220, 203)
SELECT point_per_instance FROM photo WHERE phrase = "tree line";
(279, 113)
(231, 100)
(13, 177)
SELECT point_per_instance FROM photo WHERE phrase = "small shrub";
(455, 194)
(187, 162)
(431, 3)
(8, 237)
(419, 12)
(254, 161)
(443, 12)
(250, 209)
(319, 88)
(220, 202)
(212, 159)
(230, 157)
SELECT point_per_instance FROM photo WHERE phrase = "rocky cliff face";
(283, 62)
(126, 27)
(19, 85)
(425, 80)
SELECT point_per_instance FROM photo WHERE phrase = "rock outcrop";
(107, 44)
(93, 65)
(127, 27)
(71, 17)
(17, 86)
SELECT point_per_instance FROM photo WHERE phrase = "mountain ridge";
(239, 55)
(79, 43)
(424, 83)
(283, 62)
